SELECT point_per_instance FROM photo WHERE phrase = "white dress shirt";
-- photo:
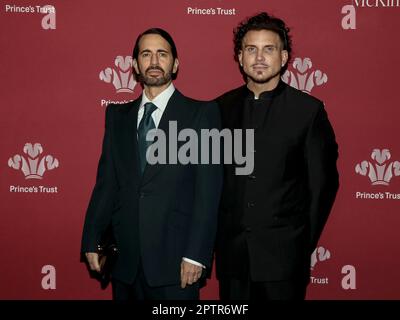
(160, 102)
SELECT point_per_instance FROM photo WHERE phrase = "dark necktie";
(145, 125)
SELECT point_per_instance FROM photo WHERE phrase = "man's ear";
(284, 57)
(240, 58)
(176, 65)
(135, 66)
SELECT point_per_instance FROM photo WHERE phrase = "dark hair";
(263, 21)
(164, 34)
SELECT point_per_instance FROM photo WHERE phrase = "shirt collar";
(266, 94)
(161, 100)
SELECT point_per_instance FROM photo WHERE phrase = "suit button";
(250, 204)
(248, 229)
(142, 195)
(252, 177)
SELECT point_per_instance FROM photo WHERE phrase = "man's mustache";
(154, 68)
(259, 65)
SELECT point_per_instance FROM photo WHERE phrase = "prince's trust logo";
(380, 171)
(33, 165)
(122, 76)
(349, 272)
(48, 21)
(320, 254)
(303, 78)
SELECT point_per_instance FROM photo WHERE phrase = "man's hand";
(190, 273)
(93, 259)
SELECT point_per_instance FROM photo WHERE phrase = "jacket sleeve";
(208, 186)
(99, 211)
(321, 154)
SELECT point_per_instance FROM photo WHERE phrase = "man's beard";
(155, 81)
(264, 79)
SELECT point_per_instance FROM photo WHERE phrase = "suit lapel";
(126, 131)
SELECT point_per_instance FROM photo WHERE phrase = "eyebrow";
(266, 46)
(158, 50)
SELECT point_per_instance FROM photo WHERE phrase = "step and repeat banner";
(63, 61)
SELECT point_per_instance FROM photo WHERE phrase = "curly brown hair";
(263, 21)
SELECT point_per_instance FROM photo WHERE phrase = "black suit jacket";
(270, 221)
(168, 213)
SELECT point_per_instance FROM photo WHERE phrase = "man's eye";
(251, 49)
(270, 49)
(162, 54)
(145, 54)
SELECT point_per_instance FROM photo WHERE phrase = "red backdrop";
(60, 63)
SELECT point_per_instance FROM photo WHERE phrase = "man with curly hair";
(270, 220)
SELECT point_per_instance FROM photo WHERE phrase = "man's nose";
(154, 59)
(260, 56)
